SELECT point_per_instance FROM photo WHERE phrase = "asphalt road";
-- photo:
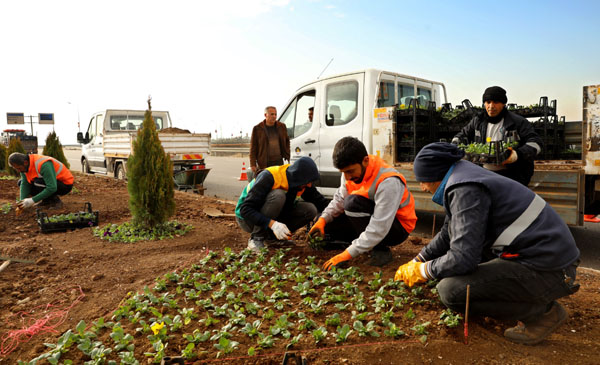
(223, 182)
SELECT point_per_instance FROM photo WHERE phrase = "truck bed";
(119, 144)
(556, 181)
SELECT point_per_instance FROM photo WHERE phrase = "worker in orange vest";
(43, 179)
(371, 210)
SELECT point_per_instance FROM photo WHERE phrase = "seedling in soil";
(319, 334)
(197, 336)
(265, 342)
(225, 346)
(294, 341)
(252, 329)
(421, 328)
(449, 318)
(393, 331)
(188, 352)
(5, 209)
(342, 333)
(333, 320)
(368, 330)
(409, 314)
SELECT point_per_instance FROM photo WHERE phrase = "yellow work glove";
(510, 156)
(318, 229)
(410, 273)
(335, 260)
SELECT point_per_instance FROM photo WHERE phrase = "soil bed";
(107, 272)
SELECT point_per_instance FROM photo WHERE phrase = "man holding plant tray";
(498, 124)
(278, 201)
(371, 210)
(43, 179)
(501, 239)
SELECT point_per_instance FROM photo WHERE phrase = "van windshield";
(132, 122)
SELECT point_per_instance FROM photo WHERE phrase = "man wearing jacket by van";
(501, 239)
(371, 210)
(498, 124)
(269, 143)
(43, 179)
(279, 200)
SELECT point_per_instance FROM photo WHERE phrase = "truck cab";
(343, 106)
(30, 143)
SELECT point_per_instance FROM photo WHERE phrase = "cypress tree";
(15, 145)
(53, 148)
(150, 177)
(2, 157)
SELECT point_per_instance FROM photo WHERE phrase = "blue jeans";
(505, 289)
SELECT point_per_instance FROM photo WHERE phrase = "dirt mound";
(106, 272)
(175, 130)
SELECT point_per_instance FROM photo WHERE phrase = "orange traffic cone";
(243, 175)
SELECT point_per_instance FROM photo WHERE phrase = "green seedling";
(343, 332)
(449, 318)
(319, 334)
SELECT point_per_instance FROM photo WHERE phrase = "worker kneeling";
(43, 179)
(499, 237)
(371, 210)
(278, 201)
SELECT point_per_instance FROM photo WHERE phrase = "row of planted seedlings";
(239, 304)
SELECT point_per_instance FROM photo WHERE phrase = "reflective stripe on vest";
(373, 187)
(40, 161)
(520, 224)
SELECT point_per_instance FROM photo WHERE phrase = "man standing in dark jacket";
(279, 200)
(499, 237)
(498, 124)
(269, 143)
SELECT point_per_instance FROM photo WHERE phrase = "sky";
(215, 65)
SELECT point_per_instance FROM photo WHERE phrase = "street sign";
(15, 118)
(46, 118)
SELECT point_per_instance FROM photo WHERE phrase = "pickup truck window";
(342, 103)
(131, 122)
(386, 94)
(295, 117)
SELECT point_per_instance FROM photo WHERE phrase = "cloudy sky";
(216, 65)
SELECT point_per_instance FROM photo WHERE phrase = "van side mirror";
(81, 139)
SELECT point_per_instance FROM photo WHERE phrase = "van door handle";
(309, 141)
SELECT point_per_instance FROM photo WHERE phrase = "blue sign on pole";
(46, 118)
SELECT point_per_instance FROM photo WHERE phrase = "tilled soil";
(67, 261)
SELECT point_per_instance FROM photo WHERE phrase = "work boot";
(381, 257)
(536, 331)
(52, 202)
(255, 244)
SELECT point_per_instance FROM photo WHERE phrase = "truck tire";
(120, 172)
(85, 166)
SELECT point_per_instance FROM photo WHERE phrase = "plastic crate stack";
(546, 124)
(415, 128)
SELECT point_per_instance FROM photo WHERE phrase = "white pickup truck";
(365, 104)
(107, 144)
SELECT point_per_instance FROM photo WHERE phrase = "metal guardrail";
(232, 150)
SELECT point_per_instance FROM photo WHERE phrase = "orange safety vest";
(377, 171)
(35, 163)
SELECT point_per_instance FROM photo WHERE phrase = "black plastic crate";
(67, 222)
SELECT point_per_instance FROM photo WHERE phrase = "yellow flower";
(156, 327)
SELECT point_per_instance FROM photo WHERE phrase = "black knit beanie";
(434, 160)
(495, 93)
(302, 172)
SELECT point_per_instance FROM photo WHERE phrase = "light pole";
(78, 122)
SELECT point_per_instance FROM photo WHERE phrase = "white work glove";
(281, 231)
(25, 203)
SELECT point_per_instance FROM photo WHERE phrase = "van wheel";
(120, 172)
(85, 166)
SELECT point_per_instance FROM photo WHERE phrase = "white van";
(344, 106)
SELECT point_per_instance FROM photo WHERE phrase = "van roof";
(373, 71)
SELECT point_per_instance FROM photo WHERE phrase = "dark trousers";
(38, 185)
(358, 211)
(300, 215)
(506, 289)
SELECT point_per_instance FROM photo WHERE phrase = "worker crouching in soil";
(278, 201)
(43, 179)
(372, 209)
(499, 237)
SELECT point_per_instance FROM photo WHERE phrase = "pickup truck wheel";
(85, 166)
(120, 172)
